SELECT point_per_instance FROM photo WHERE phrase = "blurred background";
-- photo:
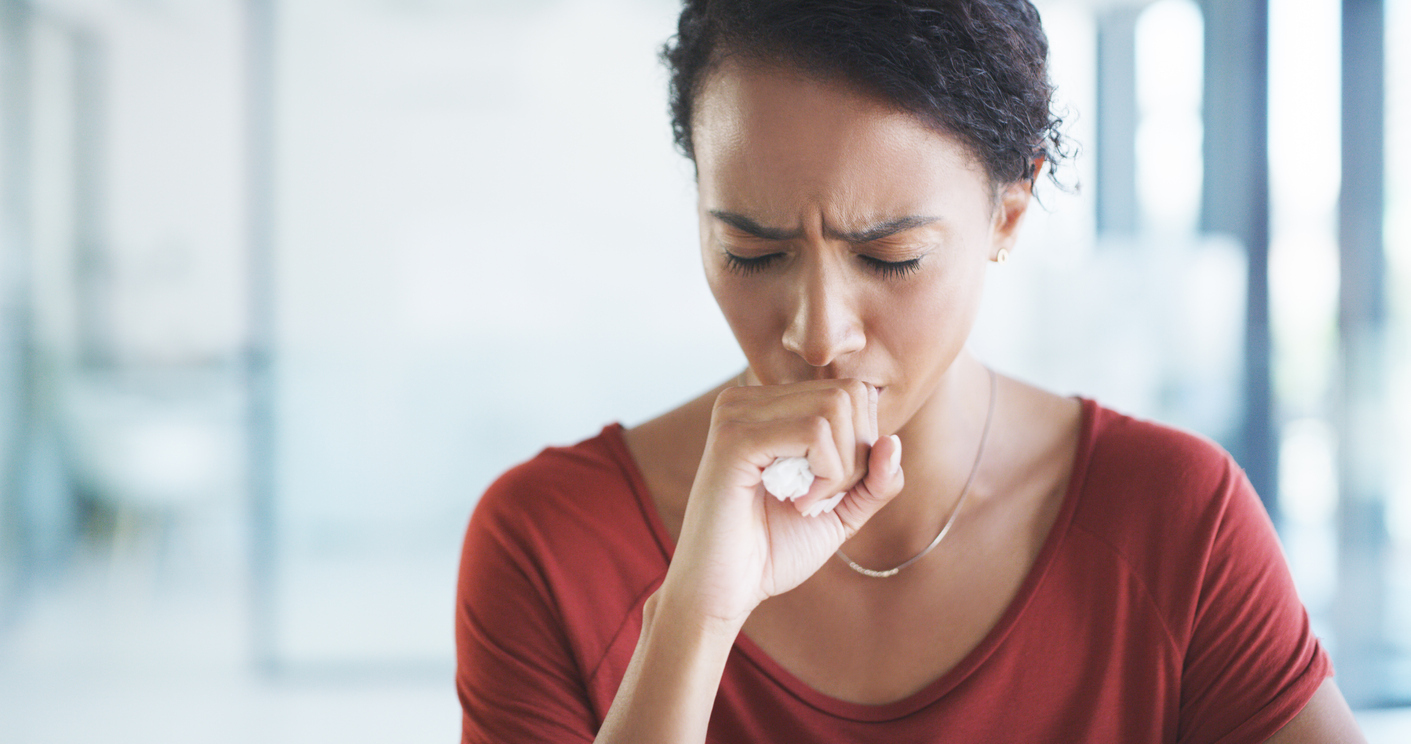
(284, 284)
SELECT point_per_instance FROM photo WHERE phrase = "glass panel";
(1398, 253)
(1304, 171)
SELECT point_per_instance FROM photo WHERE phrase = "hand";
(740, 546)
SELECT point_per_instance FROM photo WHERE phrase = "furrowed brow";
(879, 231)
(747, 225)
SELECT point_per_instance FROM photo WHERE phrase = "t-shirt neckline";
(957, 674)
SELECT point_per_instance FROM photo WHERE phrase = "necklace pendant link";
(964, 491)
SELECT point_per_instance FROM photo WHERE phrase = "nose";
(824, 324)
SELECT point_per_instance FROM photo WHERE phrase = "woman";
(975, 559)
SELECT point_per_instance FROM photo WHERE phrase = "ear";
(1013, 202)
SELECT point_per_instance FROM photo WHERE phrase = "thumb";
(883, 482)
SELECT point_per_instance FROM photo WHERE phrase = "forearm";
(670, 686)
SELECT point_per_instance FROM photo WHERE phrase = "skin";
(814, 196)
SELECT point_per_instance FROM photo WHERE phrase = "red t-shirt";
(1160, 609)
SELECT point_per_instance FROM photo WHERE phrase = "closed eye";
(891, 269)
(747, 266)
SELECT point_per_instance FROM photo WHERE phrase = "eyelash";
(746, 266)
(893, 269)
(886, 269)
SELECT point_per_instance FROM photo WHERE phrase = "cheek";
(746, 307)
(938, 304)
(927, 325)
(915, 326)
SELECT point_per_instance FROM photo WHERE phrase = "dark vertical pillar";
(1117, 209)
(16, 352)
(1362, 311)
(1235, 200)
(260, 176)
(91, 261)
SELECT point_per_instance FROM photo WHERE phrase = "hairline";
(765, 59)
(779, 60)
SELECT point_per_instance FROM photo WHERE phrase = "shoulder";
(1143, 480)
(1173, 509)
(561, 551)
(1180, 530)
(1153, 453)
(567, 502)
(554, 557)
(556, 479)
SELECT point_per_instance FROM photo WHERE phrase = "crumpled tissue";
(789, 478)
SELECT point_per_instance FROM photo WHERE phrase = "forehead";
(776, 140)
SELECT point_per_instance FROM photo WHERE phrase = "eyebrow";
(747, 225)
(865, 235)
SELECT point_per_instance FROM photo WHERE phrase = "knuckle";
(840, 400)
(729, 403)
(820, 428)
(728, 396)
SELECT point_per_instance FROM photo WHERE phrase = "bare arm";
(739, 546)
(1326, 719)
(670, 686)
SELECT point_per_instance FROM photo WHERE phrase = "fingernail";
(895, 463)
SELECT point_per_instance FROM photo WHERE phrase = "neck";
(939, 444)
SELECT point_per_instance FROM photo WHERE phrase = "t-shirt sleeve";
(516, 675)
(1253, 661)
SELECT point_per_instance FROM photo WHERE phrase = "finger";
(862, 419)
(848, 406)
(865, 425)
(873, 398)
(831, 464)
(883, 482)
(811, 437)
(844, 403)
(762, 391)
(842, 411)
(849, 409)
(782, 402)
(754, 394)
(788, 387)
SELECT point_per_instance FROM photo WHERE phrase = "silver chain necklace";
(964, 491)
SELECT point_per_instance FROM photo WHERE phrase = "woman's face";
(841, 237)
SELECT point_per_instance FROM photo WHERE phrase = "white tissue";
(788, 478)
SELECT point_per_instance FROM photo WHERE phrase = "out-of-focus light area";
(284, 284)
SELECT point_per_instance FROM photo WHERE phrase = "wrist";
(677, 614)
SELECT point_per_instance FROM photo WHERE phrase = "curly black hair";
(975, 69)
